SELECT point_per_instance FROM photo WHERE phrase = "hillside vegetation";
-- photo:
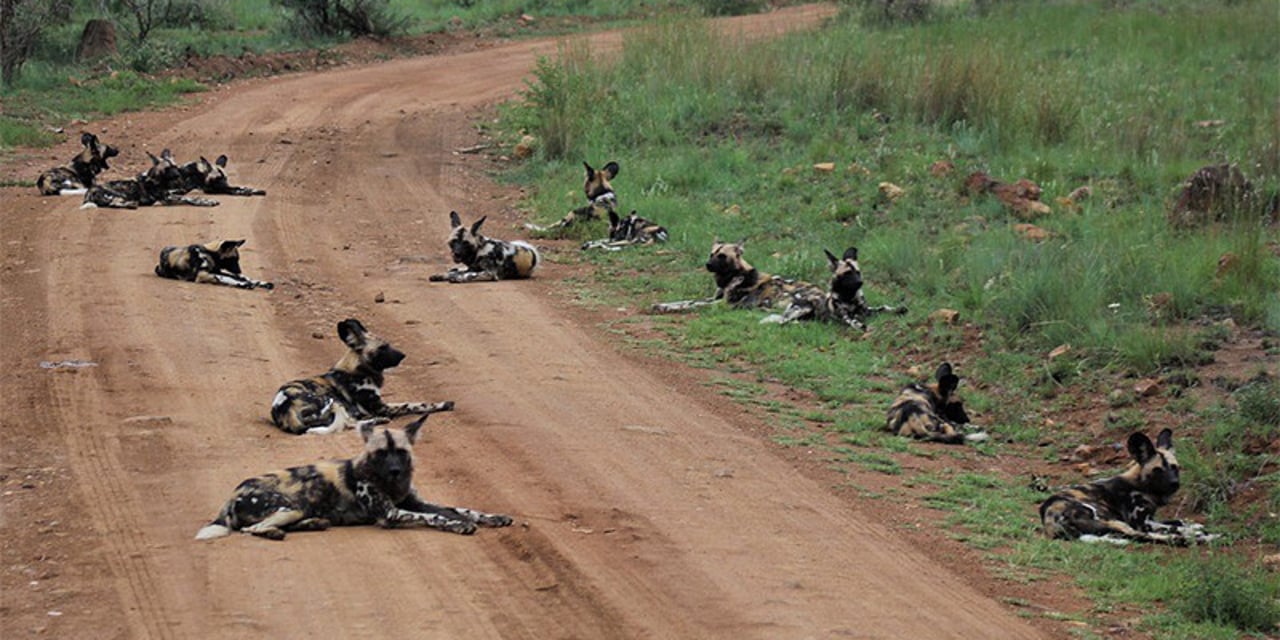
(1108, 108)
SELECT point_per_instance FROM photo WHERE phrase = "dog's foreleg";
(403, 518)
(416, 504)
(397, 409)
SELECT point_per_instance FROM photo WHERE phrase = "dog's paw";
(495, 520)
(267, 285)
(463, 527)
(447, 405)
(438, 277)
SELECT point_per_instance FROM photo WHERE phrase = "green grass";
(717, 137)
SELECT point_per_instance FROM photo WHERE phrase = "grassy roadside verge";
(719, 138)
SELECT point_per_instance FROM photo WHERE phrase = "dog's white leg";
(273, 526)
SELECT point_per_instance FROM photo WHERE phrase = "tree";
(21, 24)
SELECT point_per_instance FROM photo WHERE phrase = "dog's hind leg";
(404, 518)
(273, 527)
(309, 524)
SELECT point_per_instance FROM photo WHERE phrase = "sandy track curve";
(643, 512)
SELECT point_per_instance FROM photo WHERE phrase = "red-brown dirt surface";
(646, 506)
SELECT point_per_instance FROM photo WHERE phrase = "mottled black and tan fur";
(79, 175)
(601, 200)
(375, 487)
(844, 303)
(484, 259)
(350, 394)
(211, 178)
(628, 231)
(1122, 508)
(932, 412)
(212, 263)
(162, 184)
(741, 285)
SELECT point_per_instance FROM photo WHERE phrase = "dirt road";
(643, 510)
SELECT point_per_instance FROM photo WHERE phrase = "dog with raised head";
(741, 285)
(932, 412)
(77, 176)
(212, 263)
(484, 259)
(375, 487)
(211, 178)
(350, 394)
(162, 184)
(844, 303)
(601, 198)
(628, 231)
(1123, 508)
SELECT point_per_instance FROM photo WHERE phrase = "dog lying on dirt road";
(375, 487)
(77, 176)
(350, 394)
(844, 303)
(212, 263)
(1122, 508)
(161, 184)
(211, 178)
(932, 412)
(628, 231)
(601, 199)
(741, 285)
(485, 259)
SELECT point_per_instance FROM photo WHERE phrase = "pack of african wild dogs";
(375, 486)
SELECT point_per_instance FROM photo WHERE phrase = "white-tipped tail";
(1091, 538)
(213, 532)
(73, 192)
(980, 436)
(88, 205)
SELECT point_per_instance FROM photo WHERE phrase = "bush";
(1222, 591)
(730, 7)
(347, 17)
(22, 24)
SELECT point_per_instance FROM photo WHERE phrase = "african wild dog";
(1123, 507)
(78, 175)
(600, 196)
(375, 487)
(932, 412)
(844, 303)
(350, 394)
(211, 178)
(624, 232)
(213, 263)
(741, 285)
(485, 259)
(161, 184)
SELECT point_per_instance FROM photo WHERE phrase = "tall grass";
(1067, 94)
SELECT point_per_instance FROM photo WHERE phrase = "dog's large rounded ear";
(850, 254)
(590, 172)
(611, 170)
(154, 159)
(352, 333)
(228, 246)
(1165, 440)
(87, 139)
(221, 161)
(167, 155)
(741, 244)
(455, 219)
(366, 430)
(110, 152)
(831, 259)
(1140, 447)
(944, 369)
(411, 431)
(475, 228)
